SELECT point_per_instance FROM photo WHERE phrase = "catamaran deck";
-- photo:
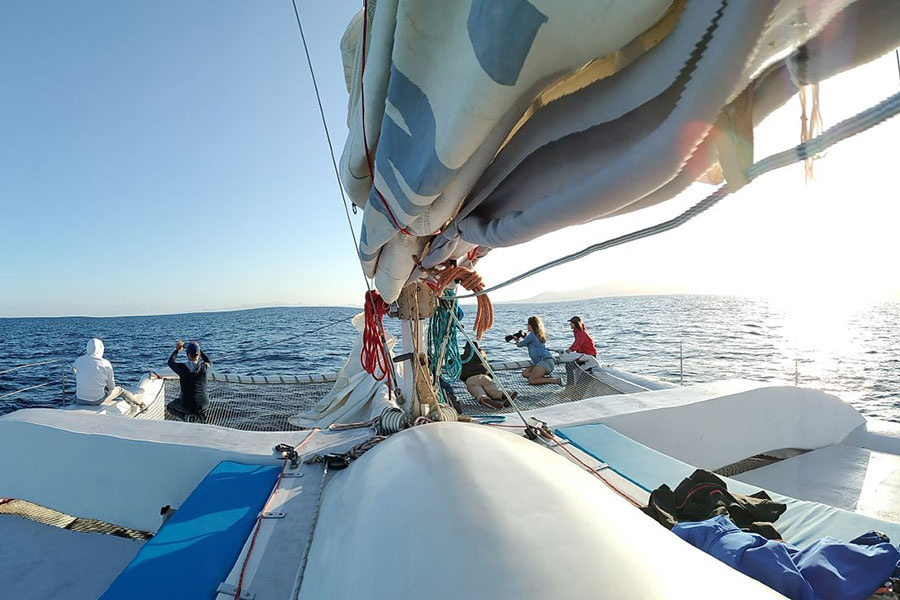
(42, 561)
(657, 437)
(257, 403)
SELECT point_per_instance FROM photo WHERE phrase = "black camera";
(516, 336)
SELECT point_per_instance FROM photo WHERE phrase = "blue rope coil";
(441, 324)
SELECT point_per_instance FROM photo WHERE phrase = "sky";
(168, 157)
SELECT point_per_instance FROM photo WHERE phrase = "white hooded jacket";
(93, 374)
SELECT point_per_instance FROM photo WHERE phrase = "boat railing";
(50, 379)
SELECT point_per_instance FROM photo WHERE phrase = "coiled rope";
(443, 349)
(391, 420)
(484, 317)
(854, 125)
(375, 358)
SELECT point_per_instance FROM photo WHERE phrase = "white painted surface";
(715, 424)
(149, 391)
(883, 436)
(855, 479)
(640, 383)
(122, 470)
(41, 562)
(450, 510)
(716, 432)
(594, 410)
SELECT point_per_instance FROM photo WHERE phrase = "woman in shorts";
(541, 360)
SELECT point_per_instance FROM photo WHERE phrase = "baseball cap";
(192, 348)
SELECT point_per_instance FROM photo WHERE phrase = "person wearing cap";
(582, 351)
(192, 376)
(95, 382)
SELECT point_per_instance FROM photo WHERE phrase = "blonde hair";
(537, 326)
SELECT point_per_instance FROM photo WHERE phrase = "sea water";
(853, 352)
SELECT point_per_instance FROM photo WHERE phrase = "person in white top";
(95, 382)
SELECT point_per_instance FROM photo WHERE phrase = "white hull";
(462, 510)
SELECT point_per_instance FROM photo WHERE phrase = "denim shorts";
(547, 363)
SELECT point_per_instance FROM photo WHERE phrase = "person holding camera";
(541, 360)
(192, 376)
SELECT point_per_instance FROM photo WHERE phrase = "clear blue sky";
(168, 156)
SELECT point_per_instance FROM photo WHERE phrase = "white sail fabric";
(458, 130)
(444, 84)
(356, 395)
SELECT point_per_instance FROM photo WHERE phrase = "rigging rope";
(552, 437)
(220, 355)
(443, 349)
(529, 429)
(337, 175)
(240, 583)
(854, 125)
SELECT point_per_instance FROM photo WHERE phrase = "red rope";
(375, 356)
(362, 101)
(240, 584)
(596, 474)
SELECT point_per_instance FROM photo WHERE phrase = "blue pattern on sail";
(502, 32)
(422, 171)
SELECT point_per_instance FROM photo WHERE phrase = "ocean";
(854, 353)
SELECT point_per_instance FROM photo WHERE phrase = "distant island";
(597, 291)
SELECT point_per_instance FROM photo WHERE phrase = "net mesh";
(266, 403)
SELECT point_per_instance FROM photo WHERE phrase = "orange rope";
(484, 318)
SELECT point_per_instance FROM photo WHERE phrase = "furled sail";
(487, 123)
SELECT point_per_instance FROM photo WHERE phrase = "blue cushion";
(803, 523)
(197, 548)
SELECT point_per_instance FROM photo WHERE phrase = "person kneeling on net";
(478, 381)
(192, 377)
(582, 352)
(95, 382)
(541, 360)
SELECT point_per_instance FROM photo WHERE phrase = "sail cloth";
(444, 84)
(514, 118)
(356, 395)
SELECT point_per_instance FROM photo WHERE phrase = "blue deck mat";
(197, 548)
(802, 523)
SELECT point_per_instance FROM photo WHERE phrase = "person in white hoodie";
(95, 382)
